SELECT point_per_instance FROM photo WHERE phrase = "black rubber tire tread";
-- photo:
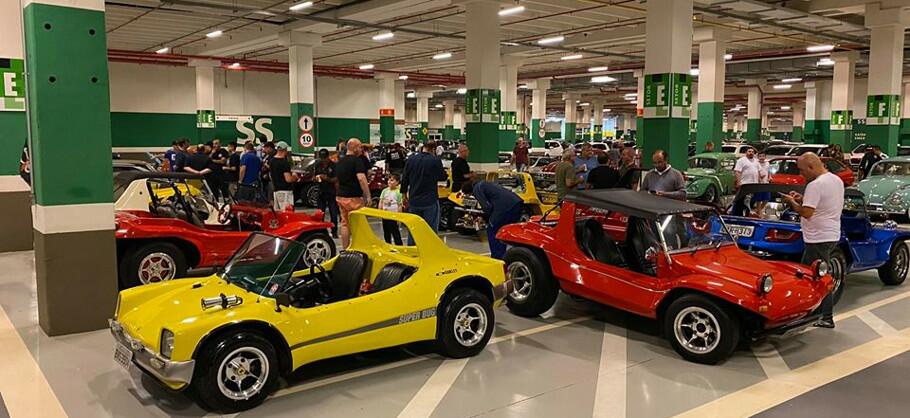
(305, 237)
(544, 288)
(729, 323)
(205, 385)
(129, 263)
(453, 301)
(886, 272)
(838, 256)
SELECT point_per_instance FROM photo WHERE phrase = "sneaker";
(824, 323)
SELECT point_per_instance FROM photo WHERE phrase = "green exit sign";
(12, 84)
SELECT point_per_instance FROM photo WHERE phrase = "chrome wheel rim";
(317, 251)
(902, 261)
(709, 194)
(520, 275)
(697, 330)
(156, 267)
(243, 373)
(470, 325)
(312, 196)
(837, 272)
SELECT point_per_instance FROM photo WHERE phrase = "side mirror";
(282, 299)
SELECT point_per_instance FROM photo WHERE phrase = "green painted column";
(304, 132)
(387, 127)
(667, 102)
(205, 99)
(568, 133)
(482, 117)
(537, 140)
(508, 130)
(904, 131)
(753, 130)
(883, 121)
(69, 117)
(423, 131)
(304, 129)
(797, 134)
(841, 128)
(15, 193)
(449, 133)
(640, 129)
(710, 124)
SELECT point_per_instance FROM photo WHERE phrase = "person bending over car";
(500, 207)
(664, 180)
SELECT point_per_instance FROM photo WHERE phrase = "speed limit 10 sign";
(307, 140)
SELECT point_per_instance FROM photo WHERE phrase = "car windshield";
(729, 148)
(783, 167)
(702, 162)
(777, 150)
(891, 168)
(264, 264)
(861, 148)
(692, 231)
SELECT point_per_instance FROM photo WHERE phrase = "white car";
(778, 150)
(738, 149)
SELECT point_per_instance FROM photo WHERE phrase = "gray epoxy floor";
(546, 367)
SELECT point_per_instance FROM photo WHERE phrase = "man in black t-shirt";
(217, 180)
(395, 158)
(281, 175)
(353, 189)
(603, 176)
(461, 170)
(268, 152)
(199, 162)
(232, 168)
(327, 182)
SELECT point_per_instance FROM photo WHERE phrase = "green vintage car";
(887, 188)
(710, 176)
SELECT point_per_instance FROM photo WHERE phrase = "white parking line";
(434, 389)
(610, 393)
(880, 326)
(770, 359)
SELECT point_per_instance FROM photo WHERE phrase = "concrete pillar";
(205, 98)
(823, 111)
(69, 98)
(639, 106)
(448, 130)
(15, 193)
(399, 111)
(799, 117)
(597, 119)
(387, 102)
(304, 134)
(842, 98)
(753, 113)
(730, 126)
(508, 87)
(482, 101)
(668, 84)
(423, 114)
(765, 119)
(539, 111)
(905, 113)
(712, 70)
(886, 57)
(568, 133)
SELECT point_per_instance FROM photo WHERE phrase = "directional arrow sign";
(306, 123)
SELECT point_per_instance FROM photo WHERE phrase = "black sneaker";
(824, 323)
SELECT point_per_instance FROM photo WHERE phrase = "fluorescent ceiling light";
(264, 13)
(602, 79)
(728, 57)
(366, 66)
(300, 6)
(597, 69)
(634, 102)
(384, 36)
(411, 95)
(693, 72)
(522, 86)
(585, 104)
(782, 87)
(442, 56)
(235, 65)
(551, 40)
(403, 77)
(511, 10)
(163, 50)
(438, 105)
(820, 48)
(607, 110)
(510, 43)
(462, 90)
(825, 62)
(571, 57)
(792, 80)
(785, 108)
(214, 34)
(630, 95)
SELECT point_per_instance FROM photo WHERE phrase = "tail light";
(779, 235)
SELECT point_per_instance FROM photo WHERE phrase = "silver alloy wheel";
(470, 324)
(312, 196)
(243, 373)
(837, 272)
(902, 261)
(697, 330)
(317, 251)
(157, 267)
(520, 275)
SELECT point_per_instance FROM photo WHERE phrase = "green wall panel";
(13, 134)
(670, 135)
(159, 129)
(333, 129)
(483, 139)
(710, 124)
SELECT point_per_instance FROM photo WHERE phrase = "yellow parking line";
(26, 392)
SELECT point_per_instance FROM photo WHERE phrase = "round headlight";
(166, 345)
(765, 284)
(821, 269)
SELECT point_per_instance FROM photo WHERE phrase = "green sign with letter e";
(667, 95)
(12, 81)
(205, 119)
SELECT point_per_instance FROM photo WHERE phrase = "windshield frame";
(724, 230)
(275, 274)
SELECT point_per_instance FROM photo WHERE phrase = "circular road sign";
(307, 140)
(306, 123)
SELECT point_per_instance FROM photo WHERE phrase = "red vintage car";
(783, 170)
(306, 189)
(664, 259)
(168, 223)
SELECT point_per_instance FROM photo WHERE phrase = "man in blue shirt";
(180, 155)
(170, 155)
(250, 167)
(585, 162)
(500, 207)
(422, 172)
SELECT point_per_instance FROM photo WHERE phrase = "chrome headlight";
(821, 268)
(895, 199)
(765, 284)
(167, 343)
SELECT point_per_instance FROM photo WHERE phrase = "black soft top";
(632, 203)
(753, 188)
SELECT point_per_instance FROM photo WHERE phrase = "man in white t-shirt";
(819, 211)
(746, 171)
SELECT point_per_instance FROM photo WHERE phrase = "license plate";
(123, 355)
(742, 230)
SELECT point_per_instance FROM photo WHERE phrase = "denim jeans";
(822, 251)
(430, 214)
(497, 247)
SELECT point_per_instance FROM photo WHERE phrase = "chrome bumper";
(160, 367)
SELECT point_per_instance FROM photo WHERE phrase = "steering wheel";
(224, 213)
(325, 287)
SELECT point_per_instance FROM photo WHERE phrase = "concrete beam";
(845, 6)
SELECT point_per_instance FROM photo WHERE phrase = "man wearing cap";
(282, 178)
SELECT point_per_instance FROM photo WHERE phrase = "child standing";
(390, 200)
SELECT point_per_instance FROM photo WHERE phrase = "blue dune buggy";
(775, 233)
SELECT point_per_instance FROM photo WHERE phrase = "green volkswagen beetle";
(710, 176)
(887, 188)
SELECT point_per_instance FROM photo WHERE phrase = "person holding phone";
(663, 179)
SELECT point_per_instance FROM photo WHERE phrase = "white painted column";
(571, 118)
(842, 98)
(423, 114)
(388, 100)
(754, 113)
(205, 98)
(302, 89)
(597, 119)
(886, 58)
(712, 70)
(483, 108)
(538, 110)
